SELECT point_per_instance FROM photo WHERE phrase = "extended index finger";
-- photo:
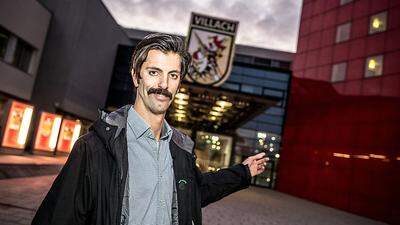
(259, 155)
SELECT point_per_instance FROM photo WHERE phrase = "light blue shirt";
(151, 174)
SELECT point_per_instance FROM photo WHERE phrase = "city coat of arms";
(211, 42)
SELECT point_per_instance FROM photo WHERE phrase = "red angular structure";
(341, 141)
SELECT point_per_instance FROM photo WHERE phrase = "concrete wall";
(78, 58)
(29, 21)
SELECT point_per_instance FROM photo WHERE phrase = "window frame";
(367, 72)
(371, 29)
(340, 29)
(333, 72)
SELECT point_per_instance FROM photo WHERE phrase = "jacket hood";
(110, 125)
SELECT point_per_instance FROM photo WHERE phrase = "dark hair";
(165, 43)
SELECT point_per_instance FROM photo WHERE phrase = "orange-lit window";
(377, 23)
(343, 32)
(47, 132)
(17, 126)
(70, 131)
(373, 66)
(338, 72)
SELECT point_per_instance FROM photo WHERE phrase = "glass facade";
(251, 77)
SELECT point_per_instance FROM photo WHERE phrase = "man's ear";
(134, 78)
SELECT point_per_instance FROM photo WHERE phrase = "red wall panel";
(329, 19)
(330, 4)
(393, 18)
(359, 27)
(392, 40)
(340, 52)
(325, 55)
(340, 144)
(328, 37)
(324, 73)
(375, 44)
(299, 62)
(355, 69)
(302, 44)
(378, 6)
(316, 23)
(318, 7)
(352, 88)
(390, 86)
(360, 9)
(357, 48)
(314, 41)
(312, 58)
(306, 10)
(344, 13)
(391, 63)
(371, 86)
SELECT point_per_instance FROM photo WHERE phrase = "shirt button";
(107, 128)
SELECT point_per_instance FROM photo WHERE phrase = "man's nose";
(163, 82)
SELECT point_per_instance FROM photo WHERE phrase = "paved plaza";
(20, 197)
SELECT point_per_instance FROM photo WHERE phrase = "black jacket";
(90, 188)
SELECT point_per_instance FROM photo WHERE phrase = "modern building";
(258, 87)
(75, 59)
(56, 63)
(340, 142)
(22, 40)
(78, 58)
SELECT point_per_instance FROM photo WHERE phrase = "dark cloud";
(263, 23)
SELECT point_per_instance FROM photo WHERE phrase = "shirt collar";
(166, 131)
(140, 127)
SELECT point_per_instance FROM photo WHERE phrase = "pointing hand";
(256, 163)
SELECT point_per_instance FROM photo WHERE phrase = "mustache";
(160, 91)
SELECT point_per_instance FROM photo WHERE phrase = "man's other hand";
(256, 163)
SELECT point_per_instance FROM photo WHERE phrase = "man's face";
(159, 80)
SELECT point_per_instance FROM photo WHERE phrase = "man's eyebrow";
(174, 71)
(154, 68)
(160, 70)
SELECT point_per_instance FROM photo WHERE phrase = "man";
(132, 167)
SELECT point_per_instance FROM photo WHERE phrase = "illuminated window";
(373, 66)
(338, 72)
(377, 23)
(343, 32)
(343, 2)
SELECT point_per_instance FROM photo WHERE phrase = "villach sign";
(211, 42)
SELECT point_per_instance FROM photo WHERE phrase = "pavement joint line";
(16, 206)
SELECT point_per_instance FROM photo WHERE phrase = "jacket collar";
(111, 125)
